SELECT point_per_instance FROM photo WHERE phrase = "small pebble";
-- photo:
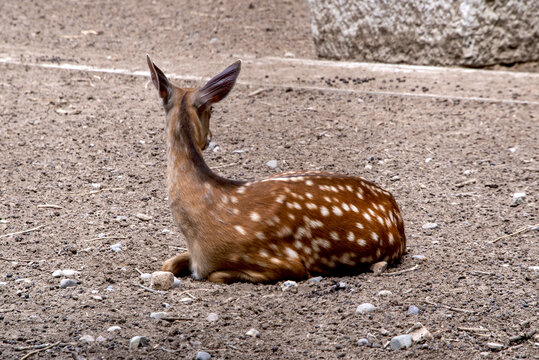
(212, 317)
(419, 333)
(176, 282)
(158, 315)
(533, 268)
(518, 198)
(253, 333)
(363, 342)
(384, 293)
(428, 226)
(145, 276)
(419, 257)
(315, 279)
(143, 217)
(379, 267)
(272, 164)
(114, 328)
(116, 247)
(413, 310)
(494, 346)
(290, 286)
(365, 308)
(69, 272)
(401, 341)
(3, 283)
(213, 40)
(162, 280)
(137, 341)
(100, 339)
(57, 273)
(186, 300)
(87, 338)
(166, 305)
(65, 283)
(97, 297)
(202, 355)
(109, 288)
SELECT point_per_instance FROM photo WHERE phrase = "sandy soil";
(92, 144)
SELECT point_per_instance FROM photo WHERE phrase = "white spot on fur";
(324, 211)
(361, 242)
(380, 220)
(275, 260)
(233, 200)
(371, 212)
(260, 235)
(240, 229)
(334, 235)
(309, 195)
(224, 199)
(367, 216)
(340, 187)
(311, 206)
(309, 183)
(280, 199)
(354, 208)
(374, 236)
(378, 253)
(264, 253)
(351, 236)
(285, 231)
(327, 199)
(345, 207)
(337, 210)
(359, 195)
(291, 216)
(390, 238)
(334, 189)
(255, 216)
(292, 254)
(360, 225)
(349, 188)
(236, 211)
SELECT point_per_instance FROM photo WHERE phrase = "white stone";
(428, 226)
(137, 341)
(116, 247)
(518, 198)
(401, 341)
(290, 286)
(143, 217)
(87, 338)
(272, 164)
(253, 333)
(145, 276)
(158, 315)
(65, 283)
(114, 328)
(186, 300)
(384, 293)
(212, 317)
(419, 333)
(495, 346)
(365, 308)
(162, 280)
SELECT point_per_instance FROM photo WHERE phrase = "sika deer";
(287, 226)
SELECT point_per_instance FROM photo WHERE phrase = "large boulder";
(458, 32)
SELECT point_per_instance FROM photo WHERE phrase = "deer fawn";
(287, 226)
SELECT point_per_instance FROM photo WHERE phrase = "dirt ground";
(453, 146)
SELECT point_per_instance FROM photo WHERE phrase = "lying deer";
(287, 226)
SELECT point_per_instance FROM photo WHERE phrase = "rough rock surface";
(464, 32)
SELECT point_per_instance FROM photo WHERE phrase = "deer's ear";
(160, 81)
(218, 87)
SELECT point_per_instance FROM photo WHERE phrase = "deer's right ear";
(218, 87)
(160, 81)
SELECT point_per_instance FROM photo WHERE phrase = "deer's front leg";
(179, 265)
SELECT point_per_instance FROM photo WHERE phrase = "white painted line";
(88, 68)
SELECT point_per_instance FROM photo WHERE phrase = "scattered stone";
(87, 338)
(363, 342)
(100, 339)
(371, 338)
(413, 310)
(401, 341)
(253, 333)
(213, 40)
(114, 328)
(158, 315)
(429, 226)
(97, 297)
(272, 164)
(65, 283)
(290, 286)
(96, 185)
(533, 268)
(379, 267)
(212, 317)
(383, 332)
(289, 55)
(202, 355)
(419, 257)
(145, 276)
(166, 305)
(3, 283)
(162, 280)
(144, 217)
(176, 283)
(57, 273)
(137, 341)
(494, 346)
(186, 300)
(212, 145)
(518, 198)
(419, 333)
(365, 308)
(315, 279)
(116, 247)
(109, 288)
(384, 293)
(428, 160)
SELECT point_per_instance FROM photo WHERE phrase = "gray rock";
(137, 341)
(420, 333)
(87, 338)
(65, 283)
(533, 268)
(272, 164)
(419, 257)
(176, 283)
(202, 355)
(401, 341)
(363, 342)
(144, 217)
(461, 32)
(494, 346)
(290, 286)
(162, 280)
(186, 300)
(146, 276)
(413, 310)
(365, 308)
(212, 317)
(379, 267)
(384, 293)
(428, 226)
(315, 279)
(116, 247)
(158, 315)
(3, 283)
(114, 328)
(100, 339)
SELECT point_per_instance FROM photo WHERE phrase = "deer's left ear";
(160, 81)
(217, 88)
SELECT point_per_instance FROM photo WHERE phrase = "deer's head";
(195, 104)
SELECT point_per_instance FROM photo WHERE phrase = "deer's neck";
(193, 187)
